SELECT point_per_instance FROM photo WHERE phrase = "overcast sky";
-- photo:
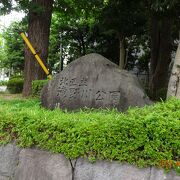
(8, 19)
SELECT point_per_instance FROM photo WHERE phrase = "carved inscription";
(83, 81)
(100, 95)
(73, 82)
(115, 97)
(111, 96)
(63, 81)
(62, 88)
(85, 93)
(73, 92)
(75, 88)
(84, 90)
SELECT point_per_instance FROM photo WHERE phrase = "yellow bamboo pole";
(36, 55)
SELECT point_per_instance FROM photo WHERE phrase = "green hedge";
(37, 86)
(142, 136)
(15, 85)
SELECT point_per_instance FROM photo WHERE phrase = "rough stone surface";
(4, 178)
(93, 81)
(46, 95)
(41, 165)
(9, 155)
(109, 171)
(84, 170)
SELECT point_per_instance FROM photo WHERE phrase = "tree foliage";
(14, 47)
(2, 52)
(5, 6)
(79, 27)
(73, 26)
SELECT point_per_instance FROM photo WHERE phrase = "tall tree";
(13, 47)
(40, 13)
(162, 14)
(124, 19)
(73, 28)
(2, 52)
(160, 56)
(174, 83)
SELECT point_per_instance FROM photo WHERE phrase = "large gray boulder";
(93, 81)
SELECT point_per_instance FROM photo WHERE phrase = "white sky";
(8, 19)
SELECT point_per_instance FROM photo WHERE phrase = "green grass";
(142, 136)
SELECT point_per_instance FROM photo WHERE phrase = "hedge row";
(37, 86)
(142, 136)
(15, 85)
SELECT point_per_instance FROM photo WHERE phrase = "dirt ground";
(7, 96)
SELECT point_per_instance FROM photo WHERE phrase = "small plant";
(15, 85)
(37, 86)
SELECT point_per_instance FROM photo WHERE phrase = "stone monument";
(93, 81)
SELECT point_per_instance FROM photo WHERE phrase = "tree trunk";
(38, 35)
(174, 82)
(160, 57)
(83, 46)
(122, 52)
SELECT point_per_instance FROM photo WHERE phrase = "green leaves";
(37, 86)
(142, 136)
(5, 6)
(14, 47)
(15, 85)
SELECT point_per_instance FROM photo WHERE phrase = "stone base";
(33, 164)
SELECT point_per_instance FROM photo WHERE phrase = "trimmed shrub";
(15, 85)
(37, 86)
(142, 136)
